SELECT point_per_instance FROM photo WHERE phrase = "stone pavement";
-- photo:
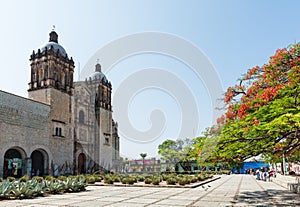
(230, 190)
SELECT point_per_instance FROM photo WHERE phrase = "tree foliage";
(175, 151)
(262, 115)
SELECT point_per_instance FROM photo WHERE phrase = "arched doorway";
(81, 163)
(13, 163)
(39, 160)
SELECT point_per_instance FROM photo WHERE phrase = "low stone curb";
(141, 184)
(289, 182)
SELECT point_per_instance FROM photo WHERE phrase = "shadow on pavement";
(268, 198)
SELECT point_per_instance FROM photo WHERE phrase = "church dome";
(98, 76)
(53, 42)
(55, 46)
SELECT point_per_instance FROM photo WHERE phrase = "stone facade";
(64, 127)
(96, 132)
(25, 127)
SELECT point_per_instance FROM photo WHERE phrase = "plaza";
(229, 190)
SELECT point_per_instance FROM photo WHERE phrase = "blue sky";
(234, 35)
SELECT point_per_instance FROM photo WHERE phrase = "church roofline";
(28, 99)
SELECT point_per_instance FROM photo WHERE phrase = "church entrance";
(81, 163)
(39, 160)
(13, 163)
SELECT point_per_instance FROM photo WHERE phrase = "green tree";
(143, 155)
(263, 111)
(175, 152)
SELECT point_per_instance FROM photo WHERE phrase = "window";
(81, 117)
(58, 132)
(106, 140)
(58, 128)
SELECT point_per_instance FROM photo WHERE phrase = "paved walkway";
(230, 190)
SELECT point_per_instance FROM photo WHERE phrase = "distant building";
(150, 166)
(64, 127)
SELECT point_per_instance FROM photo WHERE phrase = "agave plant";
(74, 185)
(38, 189)
(22, 190)
(45, 186)
(62, 178)
(5, 189)
(25, 178)
(38, 178)
(11, 179)
(56, 187)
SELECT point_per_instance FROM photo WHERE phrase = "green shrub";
(140, 178)
(171, 181)
(194, 179)
(107, 176)
(124, 180)
(147, 180)
(116, 179)
(182, 181)
(108, 181)
(188, 180)
(90, 179)
(148, 176)
(165, 177)
(155, 181)
(131, 180)
(200, 177)
(98, 178)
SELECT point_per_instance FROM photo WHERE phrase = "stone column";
(28, 166)
(1, 167)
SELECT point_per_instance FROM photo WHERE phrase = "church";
(63, 127)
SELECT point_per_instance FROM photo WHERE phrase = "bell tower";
(51, 82)
(51, 68)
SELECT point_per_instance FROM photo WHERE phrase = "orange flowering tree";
(263, 110)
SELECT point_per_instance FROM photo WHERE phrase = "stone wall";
(24, 125)
(85, 131)
(106, 149)
(291, 183)
(61, 116)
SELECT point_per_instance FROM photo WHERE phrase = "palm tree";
(143, 155)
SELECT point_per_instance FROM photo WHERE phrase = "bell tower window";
(81, 117)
